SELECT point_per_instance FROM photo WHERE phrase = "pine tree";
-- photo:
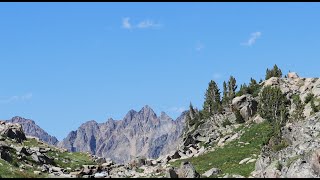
(275, 72)
(298, 112)
(268, 74)
(243, 90)
(272, 105)
(191, 116)
(232, 88)
(225, 98)
(212, 103)
(253, 87)
(239, 118)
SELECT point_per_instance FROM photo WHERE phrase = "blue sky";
(63, 64)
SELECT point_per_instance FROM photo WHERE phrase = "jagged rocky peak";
(30, 128)
(89, 123)
(165, 117)
(18, 119)
(129, 115)
(140, 133)
(147, 111)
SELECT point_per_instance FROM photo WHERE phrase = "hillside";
(258, 147)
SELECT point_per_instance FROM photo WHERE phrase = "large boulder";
(41, 158)
(5, 152)
(258, 119)
(212, 172)
(273, 81)
(246, 104)
(315, 161)
(316, 88)
(293, 75)
(187, 170)
(171, 173)
(12, 131)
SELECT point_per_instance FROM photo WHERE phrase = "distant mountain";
(140, 133)
(30, 128)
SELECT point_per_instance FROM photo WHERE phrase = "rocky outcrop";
(30, 128)
(300, 158)
(12, 131)
(293, 75)
(140, 133)
(186, 170)
(246, 104)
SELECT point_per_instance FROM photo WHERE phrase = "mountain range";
(141, 133)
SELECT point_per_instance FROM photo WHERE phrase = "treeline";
(215, 104)
(273, 105)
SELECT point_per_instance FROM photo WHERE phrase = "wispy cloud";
(125, 23)
(177, 109)
(25, 97)
(199, 46)
(141, 25)
(217, 76)
(147, 24)
(252, 39)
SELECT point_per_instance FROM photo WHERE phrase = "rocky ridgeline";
(141, 133)
(42, 159)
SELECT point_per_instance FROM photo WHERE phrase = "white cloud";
(25, 97)
(177, 109)
(252, 39)
(147, 24)
(141, 25)
(199, 46)
(125, 23)
(217, 76)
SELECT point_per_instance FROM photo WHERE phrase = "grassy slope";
(227, 158)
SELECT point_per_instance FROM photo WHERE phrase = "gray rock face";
(140, 133)
(246, 104)
(12, 130)
(300, 158)
(31, 129)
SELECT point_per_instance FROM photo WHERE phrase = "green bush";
(275, 72)
(314, 107)
(298, 112)
(239, 118)
(277, 147)
(308, 98)
(226, 122)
